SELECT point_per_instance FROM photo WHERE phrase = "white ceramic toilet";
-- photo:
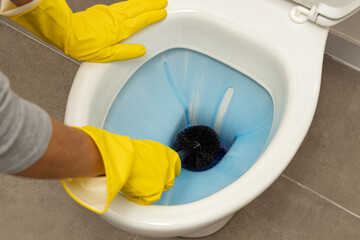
(277, 45)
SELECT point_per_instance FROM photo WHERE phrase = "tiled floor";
(317, 197)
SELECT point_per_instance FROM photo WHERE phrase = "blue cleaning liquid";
(181, 87)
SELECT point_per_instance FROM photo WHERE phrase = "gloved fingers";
(174, 168)
(117, 52)
(169, 184)
(143, 200)
(143, 20)
(177, 165)
(174, 159)
(132, 8)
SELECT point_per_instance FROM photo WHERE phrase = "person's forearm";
(71, 153)
(20, 2)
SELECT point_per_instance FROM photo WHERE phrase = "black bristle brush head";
(197, 146)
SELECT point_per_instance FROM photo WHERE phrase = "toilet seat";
(248, 36)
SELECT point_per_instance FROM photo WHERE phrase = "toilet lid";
(333, 10)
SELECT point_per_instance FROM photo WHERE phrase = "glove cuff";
(96, 193)
(9, 9)
(90, 192)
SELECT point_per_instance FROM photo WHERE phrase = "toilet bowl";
(249, 69)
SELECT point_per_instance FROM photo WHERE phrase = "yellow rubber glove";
(141, 169)
(92, 35)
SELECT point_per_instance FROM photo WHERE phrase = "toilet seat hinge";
(300, 14)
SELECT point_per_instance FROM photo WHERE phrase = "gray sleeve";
(25, 131)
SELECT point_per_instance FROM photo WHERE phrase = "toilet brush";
(198, 147)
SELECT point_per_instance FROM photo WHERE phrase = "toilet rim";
(203, 212)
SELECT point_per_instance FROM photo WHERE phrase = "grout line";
(321, 196)
(344, 36)
(343, 50)
(341, 61)
(40, 42)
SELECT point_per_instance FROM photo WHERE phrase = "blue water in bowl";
(181, 87)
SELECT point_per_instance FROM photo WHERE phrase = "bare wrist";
(19, 3)
(71, 153)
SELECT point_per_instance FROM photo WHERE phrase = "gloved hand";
(92, 35)
(141, 169)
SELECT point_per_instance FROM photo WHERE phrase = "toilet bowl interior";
(179, 87)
